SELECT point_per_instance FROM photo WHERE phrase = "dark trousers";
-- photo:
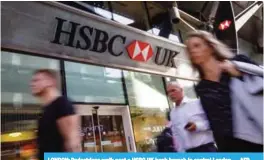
(231, 144)
(209, 147)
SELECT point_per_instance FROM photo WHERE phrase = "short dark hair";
(50, 73)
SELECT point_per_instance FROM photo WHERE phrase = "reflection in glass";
(145, 90)
(88, 135)
(95, 84)
(148, 103)
(108, 133)
(112, 132)
(147, 124)
(19, 109)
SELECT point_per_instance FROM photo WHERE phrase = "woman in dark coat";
(212, 58)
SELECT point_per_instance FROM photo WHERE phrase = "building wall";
(249, 50)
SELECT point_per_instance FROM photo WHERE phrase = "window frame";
(97, 103)
(63, 75)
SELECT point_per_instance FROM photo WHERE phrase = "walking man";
(190, 126)
(58, 128)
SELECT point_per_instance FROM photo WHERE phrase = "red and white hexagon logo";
(139, 51)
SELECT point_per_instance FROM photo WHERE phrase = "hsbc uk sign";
(92, 39)
(60, 31)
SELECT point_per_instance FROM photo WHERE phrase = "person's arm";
(69, 129)
(241, 64)
(198, 120)
(202, 125)
(198, 126)
(230, 68)
(68, 123)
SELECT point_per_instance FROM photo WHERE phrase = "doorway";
(106, 128)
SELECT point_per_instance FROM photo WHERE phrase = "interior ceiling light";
(16, 134)
(224, 25)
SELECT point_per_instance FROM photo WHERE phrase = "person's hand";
(72, 146)
(191, 127)
(230, 68)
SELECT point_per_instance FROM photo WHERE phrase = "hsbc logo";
(99, 41)
(139, 51)
(142, 51)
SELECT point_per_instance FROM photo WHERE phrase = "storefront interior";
(142, 95)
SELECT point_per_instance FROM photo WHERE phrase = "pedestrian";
(231, 94)
(190, 126)
(165, 141)
(58, 128)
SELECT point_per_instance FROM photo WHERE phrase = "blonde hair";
(220, 51)
(50, 73)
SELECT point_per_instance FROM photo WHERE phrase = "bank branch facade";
(115, 75)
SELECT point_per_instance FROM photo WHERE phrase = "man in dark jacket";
(165, 139)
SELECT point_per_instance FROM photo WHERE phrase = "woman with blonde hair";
(234, 108)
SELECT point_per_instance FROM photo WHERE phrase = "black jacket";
(165, 141)
(216, 101)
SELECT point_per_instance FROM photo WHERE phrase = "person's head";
(175, 92)
(201, 46)
(44, 80)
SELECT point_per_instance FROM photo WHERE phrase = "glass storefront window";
(145, 90)
(89, 83)
(147, 123)
(105, 134)
(105, 128)
(19, 109)
(112, 132)
(148, 105)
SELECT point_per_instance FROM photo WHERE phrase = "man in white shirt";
(190, 126)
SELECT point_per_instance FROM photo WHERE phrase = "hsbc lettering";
(102, 42)
(85, 32)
